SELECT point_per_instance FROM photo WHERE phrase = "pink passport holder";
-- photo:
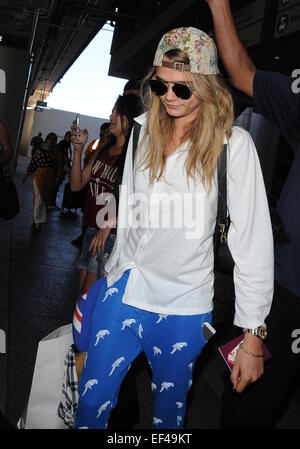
(229, 351)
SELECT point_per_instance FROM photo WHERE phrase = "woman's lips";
(172, 106)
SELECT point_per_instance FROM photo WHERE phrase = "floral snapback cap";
(199, 47)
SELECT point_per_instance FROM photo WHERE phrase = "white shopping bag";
(46, 388)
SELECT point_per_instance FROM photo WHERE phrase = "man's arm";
(237, 62)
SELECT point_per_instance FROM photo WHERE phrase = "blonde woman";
(159, 286)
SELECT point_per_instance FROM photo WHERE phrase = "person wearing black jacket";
(277, 98)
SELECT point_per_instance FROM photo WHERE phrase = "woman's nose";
(170, 94)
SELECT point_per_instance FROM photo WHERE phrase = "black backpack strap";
(223, 218)
(222, 187)
(224, 262)
(135, 138)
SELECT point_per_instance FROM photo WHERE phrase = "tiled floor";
(39, 282)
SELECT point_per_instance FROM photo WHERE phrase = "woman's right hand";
(98, 242)
(78, 137)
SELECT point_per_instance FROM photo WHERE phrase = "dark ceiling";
(56, 32)
(133, 47)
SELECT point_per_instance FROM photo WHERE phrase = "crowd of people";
(51, 161)
(148, 288)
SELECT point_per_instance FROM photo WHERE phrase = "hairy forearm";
(238, 64)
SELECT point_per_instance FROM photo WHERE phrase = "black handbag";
(9, 200)
(223, 260)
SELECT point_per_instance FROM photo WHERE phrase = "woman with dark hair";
(103, 170)
(102, 174)
(44, 167)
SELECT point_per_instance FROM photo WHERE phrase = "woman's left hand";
(98, 242)
(247, 368)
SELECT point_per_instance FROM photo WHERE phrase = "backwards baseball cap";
(198, 46)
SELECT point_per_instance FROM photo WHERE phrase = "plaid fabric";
(69, 403)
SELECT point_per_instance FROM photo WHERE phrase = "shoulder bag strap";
(222, 187)
(135, 137)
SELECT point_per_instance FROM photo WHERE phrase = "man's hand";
(98, 242)
(234, 55)
(247, 368)
(78, 137)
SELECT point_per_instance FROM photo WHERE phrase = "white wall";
(54, 120)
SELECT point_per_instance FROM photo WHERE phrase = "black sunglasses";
(182, 91)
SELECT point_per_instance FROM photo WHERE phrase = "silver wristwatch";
(260, 331)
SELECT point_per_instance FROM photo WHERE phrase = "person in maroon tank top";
(103, 170)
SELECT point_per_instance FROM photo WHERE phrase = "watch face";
(262, 333)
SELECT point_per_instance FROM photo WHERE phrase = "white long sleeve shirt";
(170, 249)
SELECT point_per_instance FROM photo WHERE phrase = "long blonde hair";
(207, 132)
